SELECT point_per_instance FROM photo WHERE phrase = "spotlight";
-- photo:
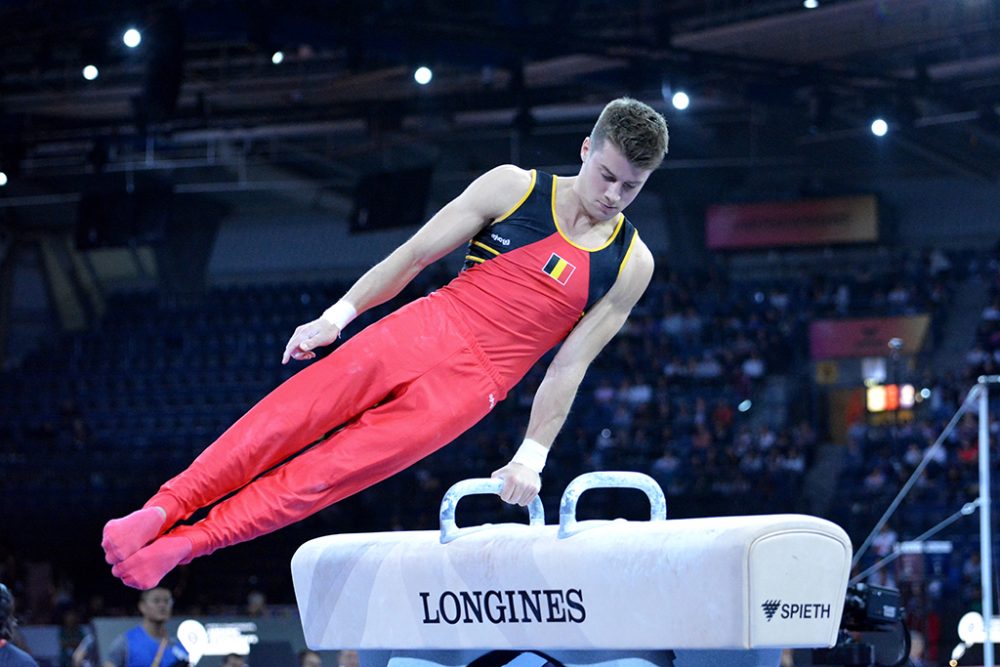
(3, 179)
(423, 75)
(132, 38)
(810, 4)
(278, 57)
(879, 127)
(745, 406)
(90, 72)
(680, 100)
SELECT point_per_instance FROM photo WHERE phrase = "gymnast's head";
(627, 143)
(635, 129)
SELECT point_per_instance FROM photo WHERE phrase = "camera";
(869, 608)
(872, 630)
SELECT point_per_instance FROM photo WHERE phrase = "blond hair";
(634, 128)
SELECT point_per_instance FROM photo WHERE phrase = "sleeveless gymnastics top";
(525, 284)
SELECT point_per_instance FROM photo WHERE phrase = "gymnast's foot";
(123, 537)
(146, 567)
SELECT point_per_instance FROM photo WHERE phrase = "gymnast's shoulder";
(637, 266)
(500, 188)
(510, 176)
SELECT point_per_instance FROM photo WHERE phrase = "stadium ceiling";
(770, 82)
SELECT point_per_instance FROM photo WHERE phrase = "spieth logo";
(796, 610)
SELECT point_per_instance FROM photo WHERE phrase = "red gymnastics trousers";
(401, 389)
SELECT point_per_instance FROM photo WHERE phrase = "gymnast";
(551, 260)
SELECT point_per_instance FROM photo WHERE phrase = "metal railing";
(978, 397)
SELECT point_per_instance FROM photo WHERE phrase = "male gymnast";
(551, 260)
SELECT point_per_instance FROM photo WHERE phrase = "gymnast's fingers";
(292, 345)
(506, 490)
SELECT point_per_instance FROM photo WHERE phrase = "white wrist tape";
(531, 455)
(339, 314)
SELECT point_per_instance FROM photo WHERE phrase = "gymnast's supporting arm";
(554, 397)
(487, 198)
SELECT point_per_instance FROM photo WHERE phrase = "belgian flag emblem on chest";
(559, 269)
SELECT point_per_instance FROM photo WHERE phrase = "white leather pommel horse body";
(587, 592)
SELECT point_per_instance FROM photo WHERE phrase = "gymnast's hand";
(307, 338)
(520, 483)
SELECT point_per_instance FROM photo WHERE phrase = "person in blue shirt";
(148, 644)
(10, 655)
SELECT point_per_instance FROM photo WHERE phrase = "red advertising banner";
(866, 337)
(796, 223)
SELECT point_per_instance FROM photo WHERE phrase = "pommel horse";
(726, 591)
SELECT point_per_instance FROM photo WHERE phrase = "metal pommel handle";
(606, 480)
(472, 487)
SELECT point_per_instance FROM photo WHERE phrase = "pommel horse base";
(729, 591)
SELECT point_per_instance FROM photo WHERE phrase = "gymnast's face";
(608, 182)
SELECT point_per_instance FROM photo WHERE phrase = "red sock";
(146, 567)
(123, 537)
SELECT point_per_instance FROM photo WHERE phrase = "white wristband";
(531, 455)
(339, 314)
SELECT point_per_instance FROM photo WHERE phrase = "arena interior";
(826, 293)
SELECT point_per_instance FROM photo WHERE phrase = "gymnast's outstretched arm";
(522, 480)
(485, 199)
